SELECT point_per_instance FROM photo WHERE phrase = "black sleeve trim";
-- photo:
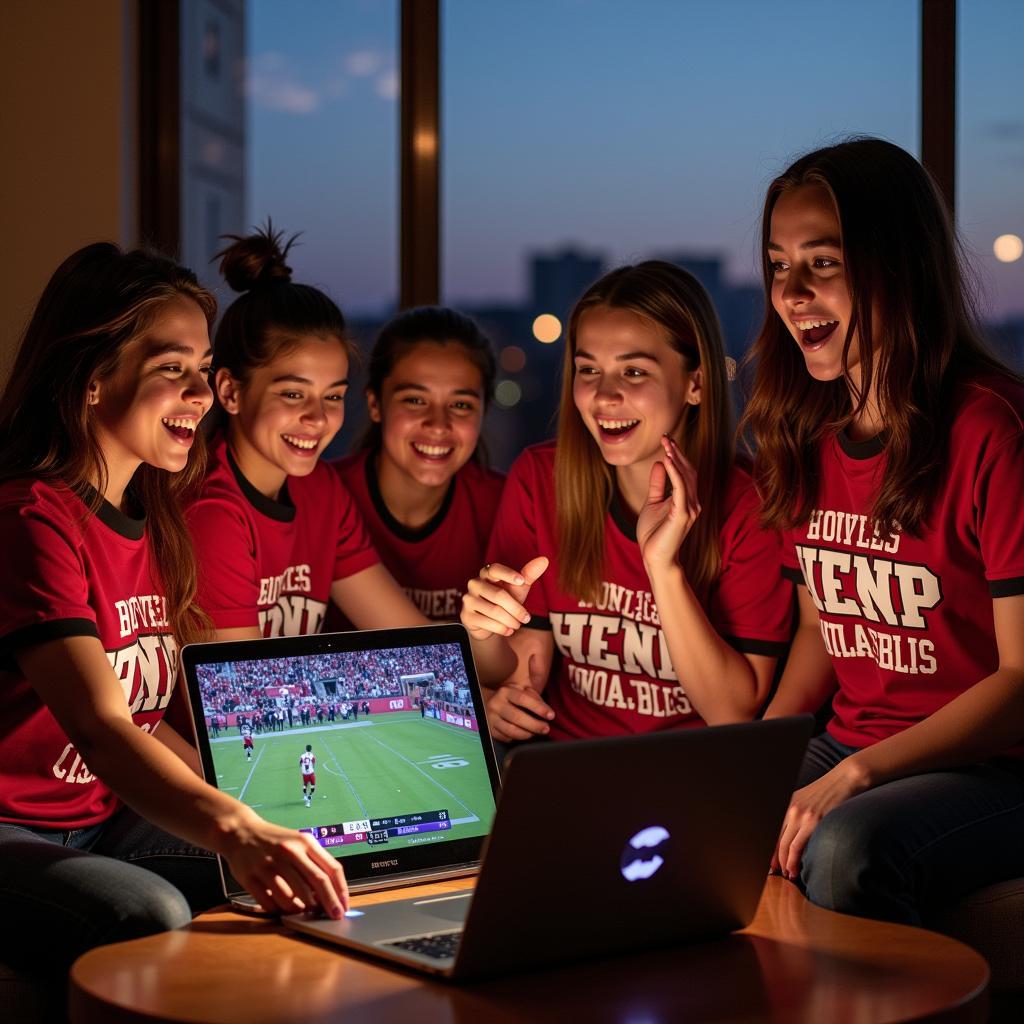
(792, 574)
(769, 648)
(40, 633)
(1006, 588)
(538, 622)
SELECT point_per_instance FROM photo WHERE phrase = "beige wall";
(68, 178)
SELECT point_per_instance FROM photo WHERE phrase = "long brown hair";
(98, 301)
(917, 323)
(673, 299)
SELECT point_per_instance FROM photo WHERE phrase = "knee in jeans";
(147, 906)
(838, 862)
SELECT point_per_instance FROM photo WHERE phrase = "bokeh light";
(507, 393)
(547, 328)
(512, 358)
(1008, 248)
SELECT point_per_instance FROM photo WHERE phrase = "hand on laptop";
(493, 603)
(284, 869)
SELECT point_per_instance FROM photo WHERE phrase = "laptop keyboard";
(438, 945)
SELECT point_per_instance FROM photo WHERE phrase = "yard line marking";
(341, 772)
(412, 764)
(248, 778)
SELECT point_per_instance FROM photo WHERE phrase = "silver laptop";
(373, 742)
(601, 847)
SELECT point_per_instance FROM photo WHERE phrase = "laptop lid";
(628, 843)
(404, 781)
(601, 847)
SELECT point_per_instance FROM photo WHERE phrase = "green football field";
(382, 766)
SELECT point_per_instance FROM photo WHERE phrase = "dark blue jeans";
(900, 851)
(62, 893)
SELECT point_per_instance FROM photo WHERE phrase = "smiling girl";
(891, 445)
(277, 534)
(98, 437)
(427, 501)
(664, 599)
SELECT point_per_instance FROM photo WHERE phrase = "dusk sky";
(626, 129)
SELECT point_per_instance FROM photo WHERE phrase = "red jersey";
(908, 620)
(270, 563)
(433, 563)
(68, 573)
(614, 675)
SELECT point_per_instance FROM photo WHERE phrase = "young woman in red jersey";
(98, 436)
(891, 447)
(662, 594)
(428, 502)
(277, 534)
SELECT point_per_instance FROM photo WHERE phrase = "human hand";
(666, 519)
(516, 711)
(808, 806)
(284, 869)
(493, 602)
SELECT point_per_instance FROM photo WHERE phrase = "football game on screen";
(368, 751)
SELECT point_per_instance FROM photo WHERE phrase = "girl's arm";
(282, 868)
(515, 710)
(981, 722)
(807, 680)
(371, 599)
(178, 745)
(723, 684)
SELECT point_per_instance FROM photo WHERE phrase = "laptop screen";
(373, 743)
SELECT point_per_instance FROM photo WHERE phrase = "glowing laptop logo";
(643, 853)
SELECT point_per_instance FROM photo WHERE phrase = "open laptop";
(373, 742)
(601, 847)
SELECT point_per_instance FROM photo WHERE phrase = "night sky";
(624, 129)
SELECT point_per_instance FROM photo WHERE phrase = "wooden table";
(795, 962)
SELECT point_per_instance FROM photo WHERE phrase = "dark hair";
(98, 301)
(438, 325)
(671, 298)
(272, 313)
(309, 746)
(902, 261)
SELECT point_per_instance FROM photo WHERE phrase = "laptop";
(374, 742)
(601, 847)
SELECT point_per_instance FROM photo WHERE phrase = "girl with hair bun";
(98, 438)
(891, 448)
(664, 597)
(277, 534)
(427, 500)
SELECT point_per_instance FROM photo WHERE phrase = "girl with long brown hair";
(98, 436)
(890, 446)
(665, 604)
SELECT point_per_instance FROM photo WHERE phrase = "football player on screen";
(307, 765)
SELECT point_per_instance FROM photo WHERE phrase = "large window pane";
(579, 134)
(990, 162)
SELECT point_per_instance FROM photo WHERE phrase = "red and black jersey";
(70, 573)
(270, 563)
(434, 562)
(908, 620)
(614, 674)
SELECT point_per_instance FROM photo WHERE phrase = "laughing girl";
(631, 546)
(98, 436)
(277, 534)
(428, 502)
(891, 445)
